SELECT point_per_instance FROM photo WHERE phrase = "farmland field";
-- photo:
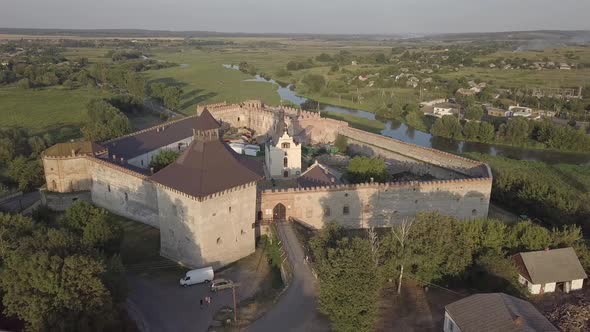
(41, 110)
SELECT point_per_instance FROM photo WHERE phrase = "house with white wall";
(548, 270)
(494, 312)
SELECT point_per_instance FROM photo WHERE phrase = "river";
(401, 131)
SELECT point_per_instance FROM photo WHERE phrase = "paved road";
(297, 308)
(159, 303)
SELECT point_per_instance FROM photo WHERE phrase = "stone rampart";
(373, 144)
(380, 205)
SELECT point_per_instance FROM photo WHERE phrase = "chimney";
(151, 170)
(122, 160)
(115, 157)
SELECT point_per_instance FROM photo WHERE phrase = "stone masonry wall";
(67, 174)
(207, 232)
(124, 193)
(359, 206)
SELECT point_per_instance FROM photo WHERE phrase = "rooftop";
(77, 148)
(208, 166)
(557, 265)
(150, 139)
(497, 312)
(317, 175)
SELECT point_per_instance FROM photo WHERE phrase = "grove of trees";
(354, 267)
(64, 274)
(362, 169)
(163, 159)
(104, 121)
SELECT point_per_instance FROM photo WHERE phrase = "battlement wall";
(380, 204)
(389, 147)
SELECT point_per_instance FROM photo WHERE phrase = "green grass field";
(204, 79)
(93, 55)
(42, 110)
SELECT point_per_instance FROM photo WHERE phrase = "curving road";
(297, 307)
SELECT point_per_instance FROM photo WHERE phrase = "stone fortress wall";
(463, 191)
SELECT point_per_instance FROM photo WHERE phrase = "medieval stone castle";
(209, 204)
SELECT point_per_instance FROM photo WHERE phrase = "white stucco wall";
(536, 288)
(275, 155)
(577, 284)
(143, 161)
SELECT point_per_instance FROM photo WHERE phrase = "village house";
(498, 112)
(547, 270)
(466, 92)
(442, 109)
(521, 111)
(494, 312)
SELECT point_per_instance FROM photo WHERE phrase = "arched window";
(285, 145)
(286, 174)
(53, 185)
(285, 162)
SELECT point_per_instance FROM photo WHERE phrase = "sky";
(300, 16)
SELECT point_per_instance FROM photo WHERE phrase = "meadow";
(46, 109)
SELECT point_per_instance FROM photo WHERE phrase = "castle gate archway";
(279, 212)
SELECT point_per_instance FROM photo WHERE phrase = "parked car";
(220, 284)
(197, 276)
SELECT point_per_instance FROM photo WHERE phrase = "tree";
(471, 130)
(346, 296)
(415, 120)
(7, 150)
(341, 143)
(27, 173)
(474, 112)
(172, 97)
(433, 242)
(528, 236)
(104, 121)
(364, 169)
(448, 126)
(324, 57)
(395, 249)
(94, 225)
(486, 132)
(163, 159)
(314, 82)
(515, 131)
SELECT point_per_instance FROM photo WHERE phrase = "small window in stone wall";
(219, 240)
(229, 209)
(109, 188)
(126, 197)
(346, 210)
(285, 145)
(326, 211)
(142, 162)
(474, 212)
(242, 232)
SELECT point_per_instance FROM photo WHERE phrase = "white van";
(197, 276)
